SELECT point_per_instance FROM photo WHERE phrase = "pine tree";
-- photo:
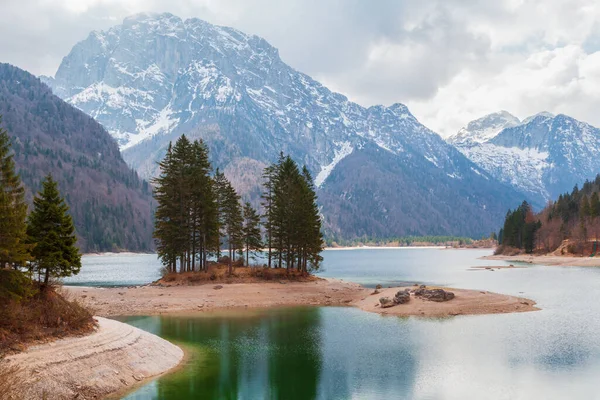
(204, 212)
(13, 210)
(220, 184)
(251, 232)
(166, 227)
(267, 203)
(186, 227)
(50, 229)
(313, 237)
(232, 222)
(183, 159)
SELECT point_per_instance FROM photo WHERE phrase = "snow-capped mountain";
(156, 77)
(485, 128)
(543, 156)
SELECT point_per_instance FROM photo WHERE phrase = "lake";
(345, 353)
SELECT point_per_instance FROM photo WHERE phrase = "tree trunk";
(47, 277)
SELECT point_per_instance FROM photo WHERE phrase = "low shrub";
(47, 314)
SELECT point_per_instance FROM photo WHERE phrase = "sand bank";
(113, 359)
(465, 302)
(153, 300)
(550, 260)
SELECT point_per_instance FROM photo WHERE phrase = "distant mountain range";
(110, 205)
(542, 156)
(379, 171)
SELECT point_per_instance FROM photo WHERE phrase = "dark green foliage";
(13, 209)
(51, 232)
(252, 235)
(232, 220)
(110, 205)
(294, 227)
(196, 214)
(520, 227)
(186, 219)
(14, 285)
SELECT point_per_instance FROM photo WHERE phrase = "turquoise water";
(344, 353)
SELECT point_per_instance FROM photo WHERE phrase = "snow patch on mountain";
(162, 124)
(341, 153)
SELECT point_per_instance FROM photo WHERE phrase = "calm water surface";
(344, 353)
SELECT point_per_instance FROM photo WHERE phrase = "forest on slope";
(111, 206)
(569, 225)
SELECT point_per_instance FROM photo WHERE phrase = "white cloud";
(450, 61)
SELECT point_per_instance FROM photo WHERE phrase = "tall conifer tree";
(50, 229)
(251, 232)
(13, 209)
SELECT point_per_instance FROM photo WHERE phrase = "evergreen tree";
(203, 209)
(13, 210)
(166, 228)
(251, 232)
(293, 222)
(186, 227)
(50, 229)
(585, 210)
(220, 183)
(233, 221)
(267, 203)
(312, 236)
(520, 228)
(594, 205)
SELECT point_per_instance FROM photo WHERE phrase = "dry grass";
(507, 251)
(44, 316)
(220, 274)
(10, 388)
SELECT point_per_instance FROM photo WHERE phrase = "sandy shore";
(113, 359)
(465, 302)
(550, 260)
(153, 300)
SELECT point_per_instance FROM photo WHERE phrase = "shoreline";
(550, 260)
(116, 358)
(190, 299)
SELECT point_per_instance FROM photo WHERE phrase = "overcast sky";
(448, 61)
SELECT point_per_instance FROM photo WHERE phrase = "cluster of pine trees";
(573, 216)
(42, 242)
(520, 227)
(198, 212)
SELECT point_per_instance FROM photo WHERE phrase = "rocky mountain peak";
(484, 128)
(155, 77)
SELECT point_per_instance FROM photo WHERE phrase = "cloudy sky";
(450, 61)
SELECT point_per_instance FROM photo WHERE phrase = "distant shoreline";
(551, 260)
(383, 247)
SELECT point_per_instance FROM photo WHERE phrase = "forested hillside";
(570, 224)
(110, 205)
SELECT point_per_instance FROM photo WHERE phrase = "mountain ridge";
(110, 205)
(155, 77)
(543, 156)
